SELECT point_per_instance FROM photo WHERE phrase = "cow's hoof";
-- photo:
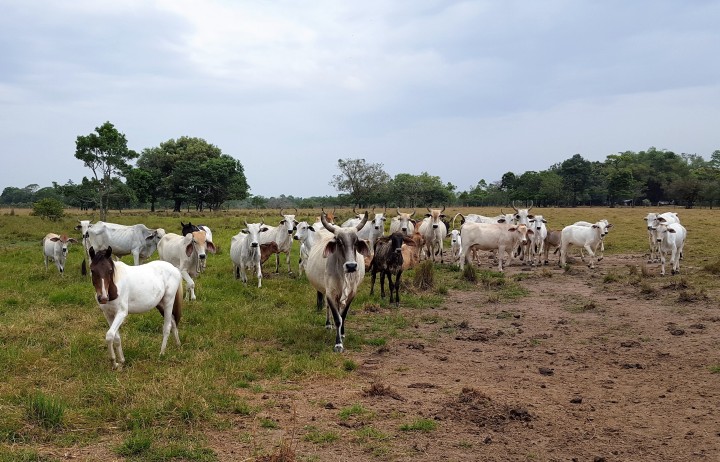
(338, 348)
(328, 326)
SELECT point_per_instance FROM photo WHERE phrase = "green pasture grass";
(237, 340)
(419, 425)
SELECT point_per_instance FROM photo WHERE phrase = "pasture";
(549, 363)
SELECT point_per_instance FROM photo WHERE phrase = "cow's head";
(435, 216)
(253, 231)
(523, 232)
(405, 220)
(346, 243)
(288, 221)
(538, 222)
(197, 242)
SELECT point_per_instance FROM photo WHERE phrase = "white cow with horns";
(245, 251)
(335, 268)
(55, 247)
(283, 236)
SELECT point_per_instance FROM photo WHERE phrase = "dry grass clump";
(469, 273)
(712, 268)
(424, 278)
(379, 389)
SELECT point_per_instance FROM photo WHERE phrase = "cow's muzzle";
(350, 267)
(290, 231)
(202, 256)
(254, 244)
(435, 226)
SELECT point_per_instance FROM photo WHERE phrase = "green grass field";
(57, 387)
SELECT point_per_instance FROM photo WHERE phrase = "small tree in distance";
(361, 180)
(106, 153)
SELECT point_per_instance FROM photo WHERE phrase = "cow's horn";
(325, 223)
(362, 222)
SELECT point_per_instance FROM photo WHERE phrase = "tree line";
(190, 172)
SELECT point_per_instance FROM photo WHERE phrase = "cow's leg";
(287, 260)
(441, 252)
(662, 262)
(397, 287)
(243, 272)
(373, 272)
(258, 271)
(320, 297)
(190, 293)
(338, 325)
(277, 262)
(46, 262)
(167, 303)
(674, 260)
(601, 253)
(591, 255)
(563, 254)
(501, 255)
(136, 257)
(382, 283)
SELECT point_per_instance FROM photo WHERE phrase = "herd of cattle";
(334, 257)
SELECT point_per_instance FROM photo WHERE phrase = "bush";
(424, 275)
(49, 208)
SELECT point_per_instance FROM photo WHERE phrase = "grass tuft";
(419, 425)
(424, 278)
(45, 411)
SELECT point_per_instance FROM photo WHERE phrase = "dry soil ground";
(582, 368)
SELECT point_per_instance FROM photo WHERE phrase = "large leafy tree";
(190, 170)
(360, 180)
(105, 152)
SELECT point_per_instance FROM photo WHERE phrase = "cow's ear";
(670, 230)
(544, 220)
(54, 239)
(282, 222)
(189, 249)
(244, 231)
(512, 230)
(427, 214)
(531, 217)
(210, 246)
(310, 228)
(72, 239)
(442, 215)
(263, 229)
(329, 248)
(595, 226)
(610, 225)
(661, 219)
(362, 248)
(530, 231)
(78, 227)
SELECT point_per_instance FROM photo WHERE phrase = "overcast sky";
(463, 90)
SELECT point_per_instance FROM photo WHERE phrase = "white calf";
(455, 245)
(583, 236)
(55, 247)
(245, 251)
(185, 253)
(671, 239)
(537, 244)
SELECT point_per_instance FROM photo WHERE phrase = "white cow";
(55, 247)
(308, 236)
(136, 240)
(671, 239)
(606, 230)
(403, 222)
(335, 269)
(455, 245)
(588, 237)
(245, 251)
(283, 236)
(83, 226)
(523, 217)
(537, 245)
(652, 243)
(185, 253)
(499, 237)
(433, 230)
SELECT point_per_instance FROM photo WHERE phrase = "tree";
(106, 154)
(359, 179)
(192, 170)
(575, 173)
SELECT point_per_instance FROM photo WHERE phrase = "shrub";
(49, 208)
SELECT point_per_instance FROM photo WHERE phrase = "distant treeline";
(649, 177)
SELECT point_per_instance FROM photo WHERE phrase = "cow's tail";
(83, 268)
(177, 305)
